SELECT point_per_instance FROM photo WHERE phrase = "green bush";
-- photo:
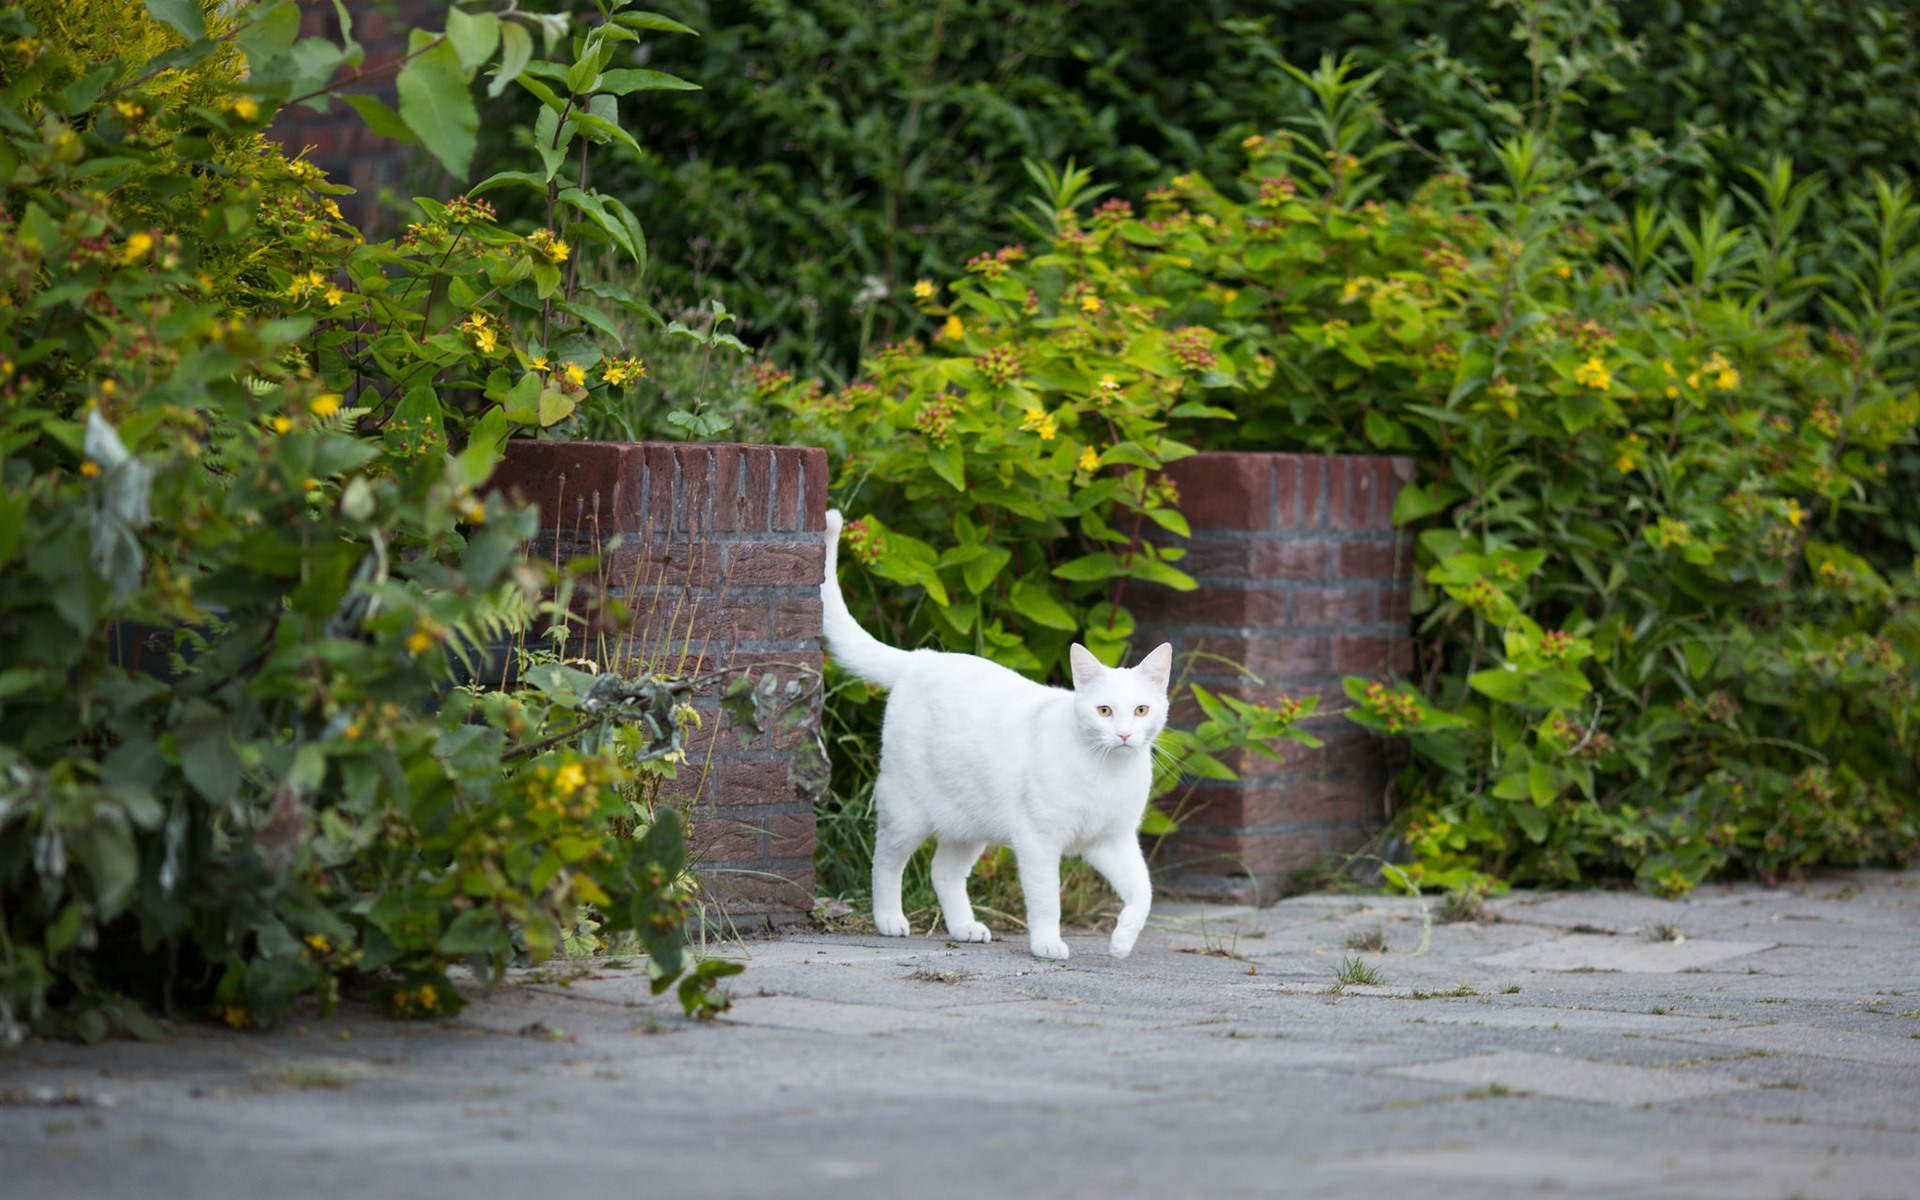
(244, 561)
(1647, 649)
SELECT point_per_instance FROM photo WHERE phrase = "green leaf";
(1534, 822)
(555, 406)
(436, 105)
(1415, 502)
(384, 121)
(949, 464)
(634, 79)
(1089, 568)
(1541, 783)
(980, 572)
(516, 48)
(474, 37)
(639, 19)
(1037, 604)
(182, 16)
(267, 36)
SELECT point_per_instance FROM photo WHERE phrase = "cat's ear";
(1158, 666)
(1086, 668)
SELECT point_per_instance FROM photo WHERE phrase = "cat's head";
(1121, 708)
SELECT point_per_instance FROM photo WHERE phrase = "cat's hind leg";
(894, 842)
(1125, 867)
(952, 863)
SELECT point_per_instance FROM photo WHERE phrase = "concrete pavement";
(1746, 1042)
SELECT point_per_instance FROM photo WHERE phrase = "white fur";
(978, 756)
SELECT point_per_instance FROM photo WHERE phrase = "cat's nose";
(1125, 736)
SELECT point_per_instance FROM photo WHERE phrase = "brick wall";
(718, 552)
(1303, 580)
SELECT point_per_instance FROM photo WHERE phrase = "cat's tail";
(853, 647)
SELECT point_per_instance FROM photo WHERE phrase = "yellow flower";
(312, 484)
(334, 295)
(576, 375)
(419, 641)
(281, 424)
(319, 942)
(137, 247)
(1790, 509)
(324, 406)
(128, 110)
(429, 998)
(1350, 292)
(486, 339)
(90, 468)
(1089, 304)
(570, 778)
(1728, 379)
(236, 1015)
(923, 289)
(1564, 271)
(954, 329)
(537, 363)
(333, 210)
(1666, 364)
(246, 109)
(1041, 423)
(1594, 374)
(1089, 459)
(1673, 393)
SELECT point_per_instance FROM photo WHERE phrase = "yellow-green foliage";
(194, 111)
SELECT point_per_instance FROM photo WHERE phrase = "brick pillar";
(718, 552)
(1303, 580)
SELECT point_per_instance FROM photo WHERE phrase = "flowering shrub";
(245, 554)
(1645, 648)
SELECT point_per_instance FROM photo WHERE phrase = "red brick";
(1365, 654)
(1396, 606)
(772, 564)
(573, 483)
(1277, 658)
(1212, 559)
(695, 480)
(719, 838)
(789, 502)
(737, 618)
(1312, 493)
(1328, 800)
(1208, 606)
(659, 515)
(796, 617)
(1339, 470)
(1258, 854)
(749, 783)
(1289, 558)
(787, 664)
(791, 835)
(1225, 490)
(776, 888)
(654, 564)
(1364, 560)
(1335, 606)
(813, 462)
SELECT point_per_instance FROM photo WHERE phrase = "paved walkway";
(1746, 1043)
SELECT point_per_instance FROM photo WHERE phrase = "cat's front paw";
(972, 931)
(891, 925)
(1048, 947)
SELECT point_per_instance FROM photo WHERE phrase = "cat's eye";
(1140, 711)
(1105, 710)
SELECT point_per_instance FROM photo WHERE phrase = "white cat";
(978, 755)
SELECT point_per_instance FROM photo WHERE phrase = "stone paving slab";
(1591, 952)
(1570, 1078)
(1222, 1059)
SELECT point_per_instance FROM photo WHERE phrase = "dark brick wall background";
(718, 551)
(1303, 580)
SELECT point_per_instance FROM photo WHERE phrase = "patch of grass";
(929, 975)
(1663, 931)
(1773, 1000)
(1461, 905)
(1510, 990)
(1465, 989)
(302, 1077)
(1353, 971)
(1373, 940)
